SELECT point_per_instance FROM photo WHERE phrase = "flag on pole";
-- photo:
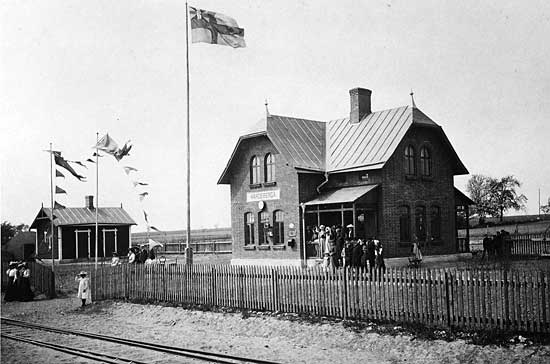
(59, 174)
(124, 151)
(79, 163)
(59, 190)
(90, 160)
(107, 144)
(142, 196)
(154, 228)
(60, 161)
(145, 216)
(136, 183)
(215, 28)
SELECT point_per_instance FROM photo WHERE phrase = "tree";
(9, 230)
(493, 196)
(546, 208)
(503, 195)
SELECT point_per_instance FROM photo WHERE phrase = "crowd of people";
(141, 255)
(498, 245)
(339, 248)
(19, 286)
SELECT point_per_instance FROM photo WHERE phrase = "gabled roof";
(301, 142)
(85, 216)
(341, 146)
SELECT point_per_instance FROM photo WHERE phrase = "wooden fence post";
(345, 300)
(447, 299)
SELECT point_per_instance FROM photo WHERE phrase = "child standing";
(83, 288)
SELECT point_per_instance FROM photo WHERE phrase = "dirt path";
(259, 336)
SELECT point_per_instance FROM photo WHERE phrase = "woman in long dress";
(84, 292)
(25, 291)
(11, 288)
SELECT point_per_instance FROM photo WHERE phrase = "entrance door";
(82, 243)
(365, 224)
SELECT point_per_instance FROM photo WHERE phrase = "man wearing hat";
(83, 288)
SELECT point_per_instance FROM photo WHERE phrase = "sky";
(70, 69)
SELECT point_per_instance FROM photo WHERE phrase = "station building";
(74, 232)
(385, 174)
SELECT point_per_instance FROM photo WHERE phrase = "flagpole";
(188, 250)
(51, 200)
(96, 193)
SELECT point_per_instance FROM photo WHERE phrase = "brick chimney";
(360, 104)
(89, 202)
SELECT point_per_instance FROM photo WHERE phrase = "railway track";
(111, 349)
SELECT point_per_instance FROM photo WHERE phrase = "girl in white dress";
(84, 289)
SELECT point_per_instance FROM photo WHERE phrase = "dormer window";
(410, 161)
(425, 162)
(269, 168)
(254, 170)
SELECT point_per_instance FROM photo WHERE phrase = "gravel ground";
(255, 335)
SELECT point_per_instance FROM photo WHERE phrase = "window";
(255, 170)
(405, 224)
(263, 228)
(435, 223)
(278, 227)
(269, 168)
(425, 162)
(410, 161)
(248, 228)
(420, 222)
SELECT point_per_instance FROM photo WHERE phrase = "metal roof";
(85, 216)
(461, 198)
(341, 195)
(301, 141)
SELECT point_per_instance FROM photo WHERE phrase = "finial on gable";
(412, 99)
(267, 114)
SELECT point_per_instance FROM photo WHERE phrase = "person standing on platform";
(83, 288)
(25, 292)
(379, 251)
(12, 293)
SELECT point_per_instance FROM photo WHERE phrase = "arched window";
(255, 170)
(425, 162)
(420, 222)
(278, 227)
(405, 224)
(410, 161)
(435, 223)
(249, 228)
(263, 228)
(269, 168)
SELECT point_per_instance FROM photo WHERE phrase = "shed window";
(410, 161)
(254, 170)
(405, 224)
(435, 223)
(269, 168)
(278, 227)
(420, 222)
(249, 228)
(425, 162)
(263, 228)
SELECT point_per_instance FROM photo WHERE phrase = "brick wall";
(286, 179)
(398, 190)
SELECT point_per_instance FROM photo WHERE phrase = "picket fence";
(465, 299)
(41, 278)
(528, 245)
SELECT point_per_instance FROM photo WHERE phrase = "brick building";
(74, 232)
(386, 174)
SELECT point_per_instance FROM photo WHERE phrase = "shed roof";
(85, 216)
(342, 195)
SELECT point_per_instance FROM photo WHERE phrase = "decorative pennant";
(59, 174)
(142, 195)
(57, 205)
(145, 215)
(59, 190)
(136, 183)
(154, 228)
(129, 169)
(90, 160)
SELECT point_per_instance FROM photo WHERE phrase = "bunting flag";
(128, 169)
(90, 160)
(79, 163)
(57, 205)
(142, 195)
(60, 161)
(154, 228)
(107, 144)
(59, 174)
(97, 155)
(59, 190)
(215, 28)
(124, 151)
(136, 183)
(145, 215)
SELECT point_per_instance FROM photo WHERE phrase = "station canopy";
(341, 195)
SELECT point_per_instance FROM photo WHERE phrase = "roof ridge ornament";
(267, 114)
(412, 99)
